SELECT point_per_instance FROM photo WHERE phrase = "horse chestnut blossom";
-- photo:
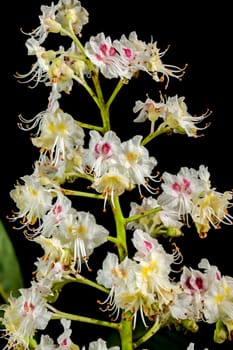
(205, 296)
(118, 166)
(31, 200)
(125, 57)
(140, 284)
(173, 111)
(191, 195)
(163, 221)
(99, 208)
(24, 315)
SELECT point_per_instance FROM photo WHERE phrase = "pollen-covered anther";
(54, 80)
(203, 235)
(86, 258)
(183, 70)
(161, 79)
(25, 232)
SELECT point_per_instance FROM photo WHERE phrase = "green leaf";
(10, 273)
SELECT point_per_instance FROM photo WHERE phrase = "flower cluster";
(145, 282)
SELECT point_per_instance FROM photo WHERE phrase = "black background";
(200, 36)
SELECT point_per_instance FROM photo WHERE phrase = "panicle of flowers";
(142, 282)
(121, 58)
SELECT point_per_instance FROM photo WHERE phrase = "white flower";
(133, 53)
(48, 270)
(39, 71)
(211, 209)
(24, 315)
(149, 223)
(64, 341)
(178, 118)
(137, 163)
(109, 270)
(58, 134)
(70, 13)
(54, 217)
(191, 347)
(56, 263)
(190, 193)
(149, 110)
(157, 68)
(179, 191)
(203, 295)
(141, 284)
(100, 344)
(102, 153)
(32, 199)
(112, 183)
(47, 24)
(46, 343)
(79, 232)
(104, 56)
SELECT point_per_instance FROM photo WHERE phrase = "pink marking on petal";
(28, 307)
(64, 342)
(112, 51)
(57, 209)
(106, 147)
(148, 245)
(127, 52)
(96, 149)
(99, 58)
(188, 284)
(218, 276)
(187, 184)
(103, 49)
(176, 187)
(199, 283)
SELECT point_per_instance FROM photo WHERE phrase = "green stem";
(82, 280)
(154, 329)
(69, 32)
(154, 134)
(106, 118)
(104, 109)
(120, 228)
(98, 94)
(126, 332)
(89, 90)
(115, 92)
(89, 126)
(60, 314)
(141, 215)
(81, 194)
(98, 97)
(32, 343)
(79, 176)
(112, 239)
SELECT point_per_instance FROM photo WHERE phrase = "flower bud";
(220, 333)
(53, 26)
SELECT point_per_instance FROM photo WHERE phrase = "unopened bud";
(220, 333)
